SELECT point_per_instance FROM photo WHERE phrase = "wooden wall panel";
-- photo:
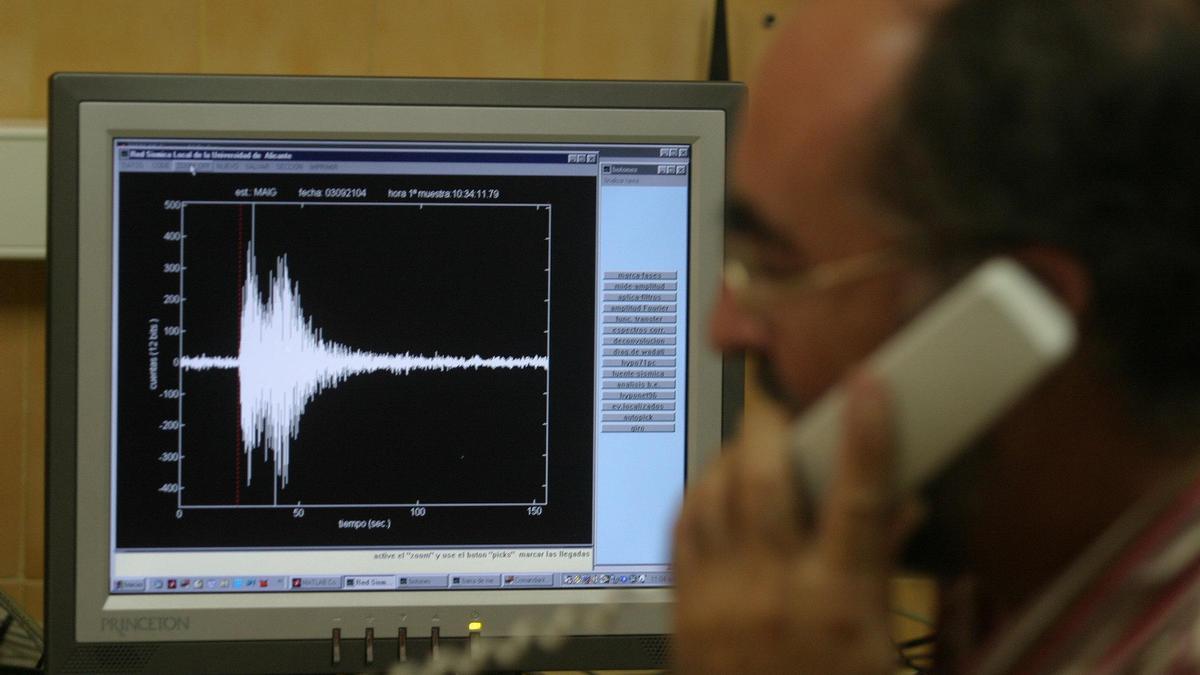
(17, 87)
(301, 37)
(629, 39)
(459, 38)
(12, 443)
(33, 420)
(35, 600)
(750, 25)
(14, 590)
(118, 35)
(22, 416)
(618, 39)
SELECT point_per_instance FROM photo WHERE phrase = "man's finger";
(705, 524)
(857, 516)
(763, 489)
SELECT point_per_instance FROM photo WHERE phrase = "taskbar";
(391, 582)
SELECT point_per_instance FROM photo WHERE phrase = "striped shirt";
(1129, 604)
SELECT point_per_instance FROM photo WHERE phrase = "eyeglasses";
(757, 287)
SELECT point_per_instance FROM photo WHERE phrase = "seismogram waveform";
(283, 363)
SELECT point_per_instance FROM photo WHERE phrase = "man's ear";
(1062, 273)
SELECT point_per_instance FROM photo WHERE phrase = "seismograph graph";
(283, 361)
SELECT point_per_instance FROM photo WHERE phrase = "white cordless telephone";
(950, 373)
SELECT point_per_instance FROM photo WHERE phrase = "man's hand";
(761, 591)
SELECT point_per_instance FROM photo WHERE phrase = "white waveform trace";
(283, 363)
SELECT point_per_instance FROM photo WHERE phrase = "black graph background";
(450, 279)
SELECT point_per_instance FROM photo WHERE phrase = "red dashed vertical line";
(237, 448)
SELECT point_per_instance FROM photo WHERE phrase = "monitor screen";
(365, 367)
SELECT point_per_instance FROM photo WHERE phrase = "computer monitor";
(344, 370)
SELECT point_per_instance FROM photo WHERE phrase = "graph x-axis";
(305, 505)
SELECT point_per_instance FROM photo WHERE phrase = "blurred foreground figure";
(887, 148)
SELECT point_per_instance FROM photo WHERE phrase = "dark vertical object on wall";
(733, 366)
(718, 60)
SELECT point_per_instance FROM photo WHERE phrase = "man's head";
(923, 139)
(802, 198)
(1058, 131)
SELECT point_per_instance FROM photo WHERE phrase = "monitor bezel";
(636, 645)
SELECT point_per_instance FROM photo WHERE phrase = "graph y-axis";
(179, 369)
(546, 454)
